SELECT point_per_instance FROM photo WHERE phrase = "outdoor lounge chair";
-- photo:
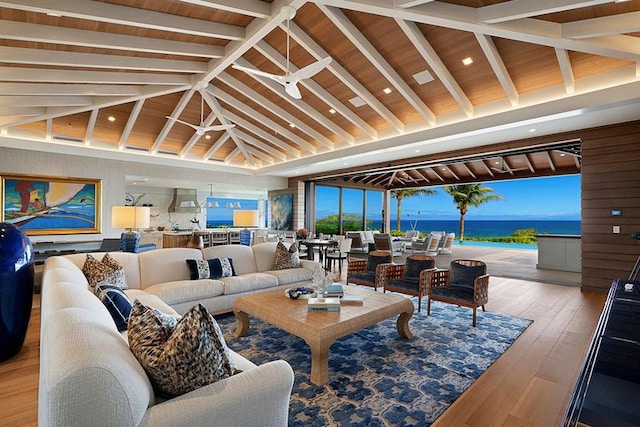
(383, 242)
(428, 245)
(370, 271)
(465, 283)
(448, 243)
(412, 277)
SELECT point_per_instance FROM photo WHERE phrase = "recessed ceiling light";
(423, 77)
(532, 130)
(207, 136)
(467, 61)
(111, 119)
(332, 111)
(357, 101)
(56, 15)
(291, 125)
(386, 90)
(417, 151)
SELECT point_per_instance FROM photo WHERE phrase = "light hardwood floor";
(529, 385)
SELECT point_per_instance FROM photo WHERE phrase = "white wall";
(113, 173)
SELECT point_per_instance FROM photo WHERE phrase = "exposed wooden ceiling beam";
(409, 3)
(131, 121)
(602, 26)
(35, 75)
(133, 17)
(429, 54)
(500, 70)
(518, 9)
(566, 70)
(527, 30)
(60, 89)
(368, 50)
(45, 101)
(216, 146)
(252, 140)
(15, 55)
(243, 7)
(90, 126)
(346, 78)
(22, 31)
(21, 111)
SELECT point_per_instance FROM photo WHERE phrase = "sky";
(550, 198)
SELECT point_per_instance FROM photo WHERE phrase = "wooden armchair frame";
(396, 271)
(440, 278)
(356, 265)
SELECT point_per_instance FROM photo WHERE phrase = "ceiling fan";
(202, 129)
(289, 80)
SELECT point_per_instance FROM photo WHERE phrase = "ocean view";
(486, 228)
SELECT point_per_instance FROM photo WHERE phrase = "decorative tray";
(302, 292)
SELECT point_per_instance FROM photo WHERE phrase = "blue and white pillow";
(117, 303)
(210, 269)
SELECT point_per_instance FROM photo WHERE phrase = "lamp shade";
(246, 218)
(130, 216)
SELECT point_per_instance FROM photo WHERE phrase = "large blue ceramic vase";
(16, 288)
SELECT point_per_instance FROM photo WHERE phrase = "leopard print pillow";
(179, 356)
(105, 272)
(284, 258)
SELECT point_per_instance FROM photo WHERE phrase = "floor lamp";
(245, 218)
(130, 218)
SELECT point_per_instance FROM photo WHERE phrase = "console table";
(608, 388)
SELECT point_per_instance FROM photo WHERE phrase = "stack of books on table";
(323, 304)
(334, 291)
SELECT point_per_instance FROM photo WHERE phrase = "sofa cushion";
(463, 276)
(165, 265)
(117, 303)
(103, 273)
(248, 282)
(210, 268)
(186, 290)
(242, 256)
(291, 275)
(286, 258)
(179, 356)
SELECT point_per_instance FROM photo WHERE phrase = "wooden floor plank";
(528, 385)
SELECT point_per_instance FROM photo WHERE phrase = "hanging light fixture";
(209, 203)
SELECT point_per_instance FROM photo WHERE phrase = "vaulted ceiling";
(107, 74)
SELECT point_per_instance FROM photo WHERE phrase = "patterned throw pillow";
(105, 272)
(286, 258)
(179, 356)
(117, 303)
(210, 269)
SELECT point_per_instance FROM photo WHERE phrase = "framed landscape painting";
(281, 211)
(49, 205)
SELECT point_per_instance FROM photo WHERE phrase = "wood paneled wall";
(610, 180)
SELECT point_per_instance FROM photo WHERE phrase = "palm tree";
(466, 195)
(409, 192)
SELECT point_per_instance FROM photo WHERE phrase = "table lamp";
(131, 218)
(245, 218)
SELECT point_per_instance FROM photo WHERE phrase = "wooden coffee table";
(320, 329)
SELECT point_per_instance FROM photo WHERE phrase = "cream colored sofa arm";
(258, 397)
(310, 265)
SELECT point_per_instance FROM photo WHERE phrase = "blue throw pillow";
(463, 276)
(117, 303)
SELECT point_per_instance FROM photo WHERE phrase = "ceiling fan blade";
(311, 69)
(292, 89)
(254, 71)
(183, 122)
(219, 127)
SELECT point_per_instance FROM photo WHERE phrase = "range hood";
(185, 200)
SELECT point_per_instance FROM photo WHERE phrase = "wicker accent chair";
(465, 283)
(412, 277)
(371, 271)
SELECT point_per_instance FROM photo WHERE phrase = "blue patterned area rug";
(377, 378)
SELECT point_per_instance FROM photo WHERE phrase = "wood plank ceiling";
(106, 74)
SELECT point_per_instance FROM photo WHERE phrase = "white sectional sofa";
(88, 375)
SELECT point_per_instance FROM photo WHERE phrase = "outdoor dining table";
(322, 245)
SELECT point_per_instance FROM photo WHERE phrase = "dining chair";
(234, 237)
(340, 253)
(219, 237)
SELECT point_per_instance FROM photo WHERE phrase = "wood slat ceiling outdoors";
(67, 66)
